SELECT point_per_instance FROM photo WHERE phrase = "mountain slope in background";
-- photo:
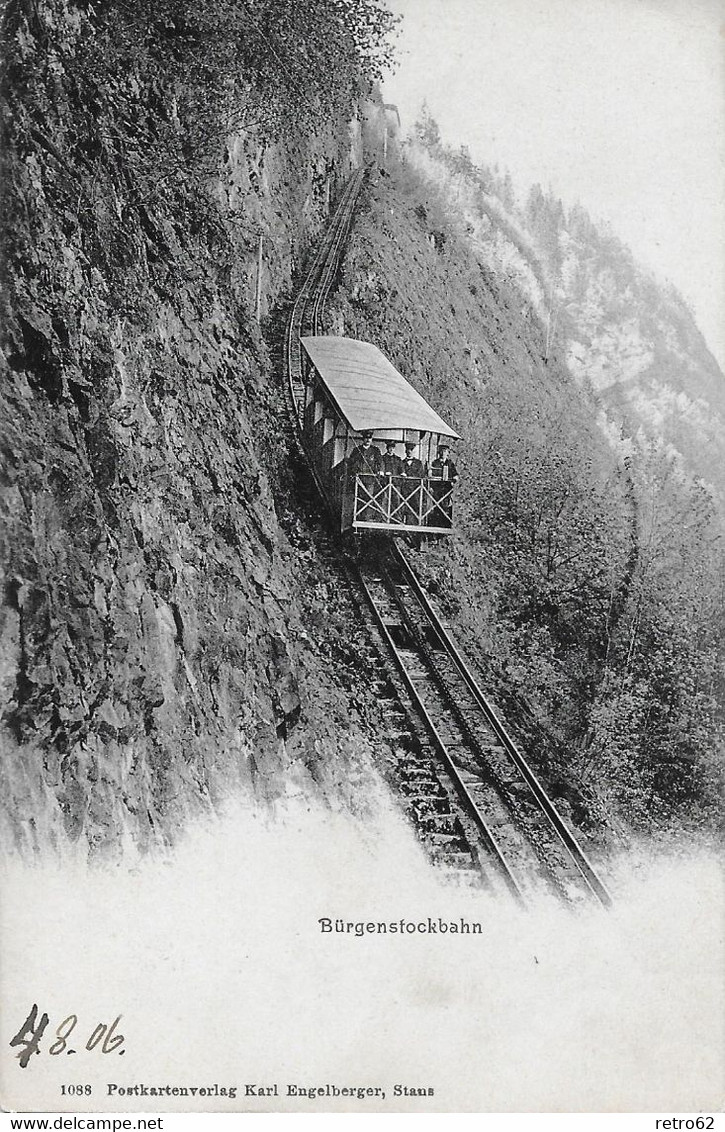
(634, 343)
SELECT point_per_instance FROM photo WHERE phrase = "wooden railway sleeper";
(416, 778)
(510, 793)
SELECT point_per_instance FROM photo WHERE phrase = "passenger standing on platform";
(365, 461)
(444, 474)
(414, 469)
(443, 467)
(366, 458)
(392, 464)
(411, 465)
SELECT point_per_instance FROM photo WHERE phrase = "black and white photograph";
(362, 541)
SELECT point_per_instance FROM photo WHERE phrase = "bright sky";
(619, 104)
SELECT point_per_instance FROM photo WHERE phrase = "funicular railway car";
(374, 441)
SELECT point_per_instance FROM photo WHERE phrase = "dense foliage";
(121, 114)
(275, 65)
(162, 84)
(587, 572)
(647, 717)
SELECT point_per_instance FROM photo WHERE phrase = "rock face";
(153, 653)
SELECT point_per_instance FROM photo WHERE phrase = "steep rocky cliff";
(153, 648)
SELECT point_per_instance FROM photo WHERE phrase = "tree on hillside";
(584, 572)
(197, 72)
(657, 710)
(580, 226)
(544, 216)
(426, 129)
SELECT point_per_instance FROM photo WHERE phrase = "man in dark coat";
(392, 464)
(444, 473)
(443, 467)
(411, 465)
(366, 460)
(366, 457)
(413, 469)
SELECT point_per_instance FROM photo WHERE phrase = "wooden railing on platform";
(403, 502)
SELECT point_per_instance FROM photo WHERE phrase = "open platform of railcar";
(352, 391)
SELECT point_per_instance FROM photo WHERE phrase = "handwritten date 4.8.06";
(28, 1037)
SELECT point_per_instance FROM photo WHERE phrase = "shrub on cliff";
(209, 69)
(118, 111)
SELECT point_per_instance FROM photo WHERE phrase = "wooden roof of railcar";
(367, 388)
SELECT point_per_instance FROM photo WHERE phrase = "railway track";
(476, 803)
(532, 845)
(306, 314)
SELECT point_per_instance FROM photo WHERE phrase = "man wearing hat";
(443, 467)
(366, 457)
(444, 473)
(392, 464)
(411, 465)
(413, 468)
(366, 460)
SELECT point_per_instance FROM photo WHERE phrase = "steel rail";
(468, 802)
(330, 242)
(333, 258)
(574, 851)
